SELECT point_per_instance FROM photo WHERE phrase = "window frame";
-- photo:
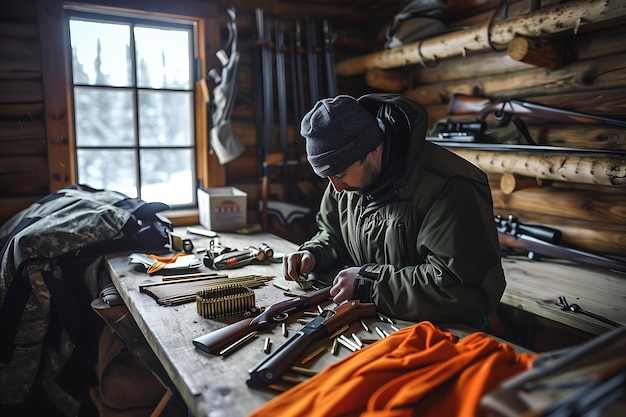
(54, 37)
(134, 90)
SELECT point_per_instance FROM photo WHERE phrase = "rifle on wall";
(469, 118)
(281, 87)
(329, 59)
(214, 341)
(310, 26)
(270, 369)
(462, 104)
(540, 240)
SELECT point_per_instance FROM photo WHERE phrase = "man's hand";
(298, 263)
(343, 284)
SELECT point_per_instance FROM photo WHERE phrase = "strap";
(146, 225)
(11, 314)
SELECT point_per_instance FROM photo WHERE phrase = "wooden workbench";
(207, 384)
(214, 385)
(535, 287)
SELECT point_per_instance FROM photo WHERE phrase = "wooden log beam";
(548, 20)
(510, 183)
(591, 75)
(390, 81)
(544, 53)
(11, 205)
(585, 46)
(602, 170)
(602, 238)
(565, 203)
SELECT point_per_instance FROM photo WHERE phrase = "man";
(410, 222)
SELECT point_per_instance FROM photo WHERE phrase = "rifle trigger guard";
(281, 316)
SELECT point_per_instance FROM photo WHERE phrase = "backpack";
(399, 115)
(52, 254)
(420, 19)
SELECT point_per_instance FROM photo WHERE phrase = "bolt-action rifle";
(269, 370)
(462, 104)
(214, 341)
(470, 125)
(541, 240)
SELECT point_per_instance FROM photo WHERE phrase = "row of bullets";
(224, 300)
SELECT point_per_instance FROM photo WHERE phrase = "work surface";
(535, 286)
(210, 385)
(216, 385)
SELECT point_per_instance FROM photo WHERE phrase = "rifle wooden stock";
(462, 104)
(274, 366)
(214, 341)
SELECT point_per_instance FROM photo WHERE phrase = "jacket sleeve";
(326, 245)
(461, 279)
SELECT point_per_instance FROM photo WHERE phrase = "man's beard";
(372, 175)
(354, 189)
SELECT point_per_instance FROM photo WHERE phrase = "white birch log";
(583, 169)
(548, 20)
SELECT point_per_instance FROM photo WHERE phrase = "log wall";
(23, 151)
(587, 74)
(585, 197)
(582, 195)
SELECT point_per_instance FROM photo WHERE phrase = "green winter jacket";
(424, 234)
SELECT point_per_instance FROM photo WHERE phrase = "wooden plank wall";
(592, 216)
(23, 155)
(590, 212)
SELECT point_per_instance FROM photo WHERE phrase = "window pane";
(162, 58)
(111, 170)
(165, 118)
(167, 176)
(100, 53)
(103, 117)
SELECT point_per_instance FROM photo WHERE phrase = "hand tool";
(565, 306)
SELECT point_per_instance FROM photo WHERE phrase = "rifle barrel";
(459, 142)
(538, 246)
(463, 104)
(553, 113)
(271, 368)
(544, 240)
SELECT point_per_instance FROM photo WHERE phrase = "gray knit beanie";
(338, 133)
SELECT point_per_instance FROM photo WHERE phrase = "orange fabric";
(167, 259)
(160, 261)
(417, 371)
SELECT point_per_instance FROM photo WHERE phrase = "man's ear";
(377, 150)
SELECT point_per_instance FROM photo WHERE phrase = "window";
(132, 88)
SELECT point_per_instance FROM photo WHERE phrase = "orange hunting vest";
(417, 371)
